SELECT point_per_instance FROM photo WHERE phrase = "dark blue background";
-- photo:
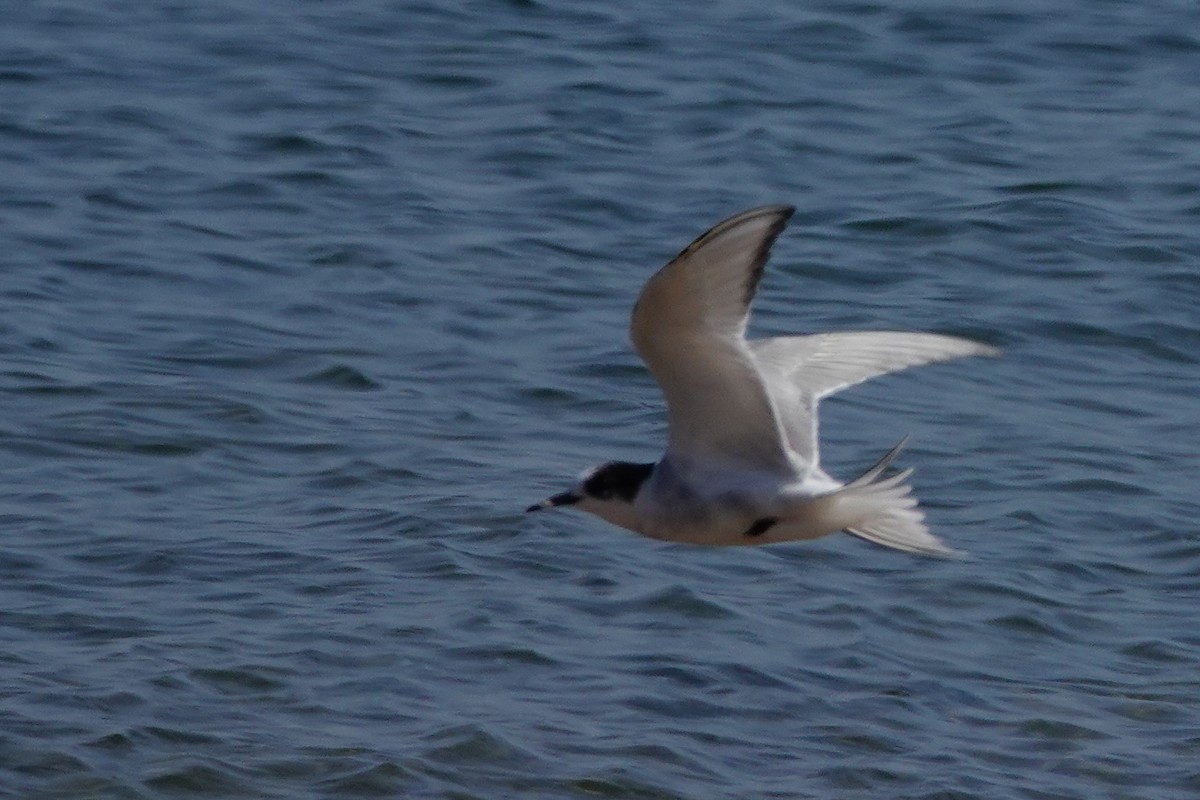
(301, 303)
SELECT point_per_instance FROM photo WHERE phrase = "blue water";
(302, 303)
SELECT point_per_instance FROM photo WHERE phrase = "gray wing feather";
(689, 327)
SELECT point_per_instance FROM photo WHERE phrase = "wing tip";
(781, 211)
(983, 349)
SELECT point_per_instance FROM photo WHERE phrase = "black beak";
(563, 499)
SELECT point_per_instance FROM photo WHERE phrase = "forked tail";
(885, 512)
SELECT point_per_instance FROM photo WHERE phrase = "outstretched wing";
(689, 327)
(800, 370)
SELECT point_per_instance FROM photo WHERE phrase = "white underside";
(730, 513)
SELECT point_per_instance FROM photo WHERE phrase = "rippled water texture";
(302, 303)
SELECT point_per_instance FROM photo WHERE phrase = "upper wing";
(689, 327)
(824, 363)
(800, 370)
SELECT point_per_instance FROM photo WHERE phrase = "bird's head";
(608, 491)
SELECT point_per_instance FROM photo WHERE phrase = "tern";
(741, 465)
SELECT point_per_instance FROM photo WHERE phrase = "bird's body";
(742, 463)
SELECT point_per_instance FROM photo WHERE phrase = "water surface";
(301, 304)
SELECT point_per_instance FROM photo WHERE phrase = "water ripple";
(302, 309)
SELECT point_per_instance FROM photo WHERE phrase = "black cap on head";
(617, 480)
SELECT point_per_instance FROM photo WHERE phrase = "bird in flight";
(742, 465)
